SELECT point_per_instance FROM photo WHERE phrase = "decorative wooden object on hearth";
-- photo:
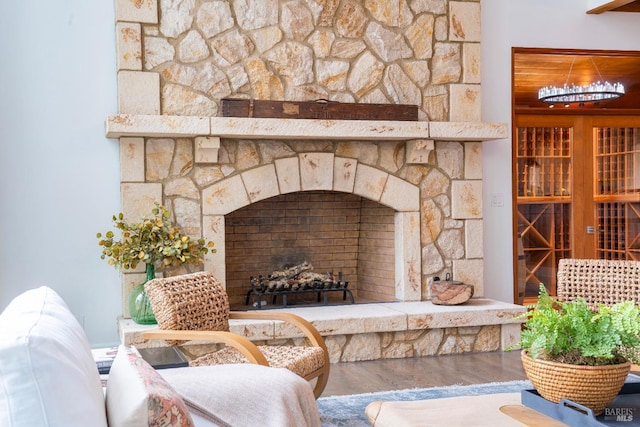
(450, 292)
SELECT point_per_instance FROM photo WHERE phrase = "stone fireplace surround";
(177, 59)
(294, 169)
(360, 332)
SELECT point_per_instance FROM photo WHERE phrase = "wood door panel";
(596, 159)
(544, 188)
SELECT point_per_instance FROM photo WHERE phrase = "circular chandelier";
(579, 94)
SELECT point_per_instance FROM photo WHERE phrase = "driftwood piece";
(450, 293)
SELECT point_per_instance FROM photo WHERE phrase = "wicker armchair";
(196, 307)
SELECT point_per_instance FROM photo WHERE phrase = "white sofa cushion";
(47, 374)
(138, 396)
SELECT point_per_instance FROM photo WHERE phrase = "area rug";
(348, 411)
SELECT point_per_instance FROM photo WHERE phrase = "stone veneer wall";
(181, 58)
(394, 345)
(414, 343)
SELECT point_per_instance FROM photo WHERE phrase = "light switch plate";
(497, 200)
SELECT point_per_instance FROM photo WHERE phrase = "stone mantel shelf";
(165, 126)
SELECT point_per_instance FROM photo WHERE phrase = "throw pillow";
(138, 396)
(48, 376)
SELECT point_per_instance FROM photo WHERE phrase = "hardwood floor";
(421, 372)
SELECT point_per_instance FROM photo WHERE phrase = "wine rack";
(543, 159)
(544, 162)
(617, 192)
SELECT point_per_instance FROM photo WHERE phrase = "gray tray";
(624, 410)
(164, 357)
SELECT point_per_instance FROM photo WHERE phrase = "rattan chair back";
(598, 281)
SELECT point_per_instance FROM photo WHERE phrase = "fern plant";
(572, 332)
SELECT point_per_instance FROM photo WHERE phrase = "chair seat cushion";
(298, 359)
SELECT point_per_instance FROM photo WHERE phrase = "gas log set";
(297, 280)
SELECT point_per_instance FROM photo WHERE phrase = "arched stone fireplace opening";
(334, 212)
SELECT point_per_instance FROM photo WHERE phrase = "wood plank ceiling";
(536, 68)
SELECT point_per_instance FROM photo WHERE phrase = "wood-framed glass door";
(617, 190)
(576, 193)
(544, 198)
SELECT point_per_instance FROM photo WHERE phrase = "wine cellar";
(553, 218)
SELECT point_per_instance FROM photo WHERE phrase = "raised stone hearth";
(384, 330)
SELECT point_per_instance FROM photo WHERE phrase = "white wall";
(527, 23)
(59, 175)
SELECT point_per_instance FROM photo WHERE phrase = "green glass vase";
(139, 305)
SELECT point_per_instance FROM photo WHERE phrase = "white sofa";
(48, 377)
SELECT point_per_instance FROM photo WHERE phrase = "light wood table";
(530, 417)
(487, 410)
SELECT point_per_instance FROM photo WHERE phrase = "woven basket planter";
(591, 386)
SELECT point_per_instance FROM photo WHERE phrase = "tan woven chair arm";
(304, 325)
(240, 343)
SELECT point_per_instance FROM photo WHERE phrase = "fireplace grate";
(279, 287)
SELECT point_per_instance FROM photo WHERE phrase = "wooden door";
(576, 188)
(616, 194)
(544, 199)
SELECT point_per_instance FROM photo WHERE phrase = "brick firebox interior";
(334, 232)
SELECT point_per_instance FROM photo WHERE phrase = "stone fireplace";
(417, 185)
(313, 171)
